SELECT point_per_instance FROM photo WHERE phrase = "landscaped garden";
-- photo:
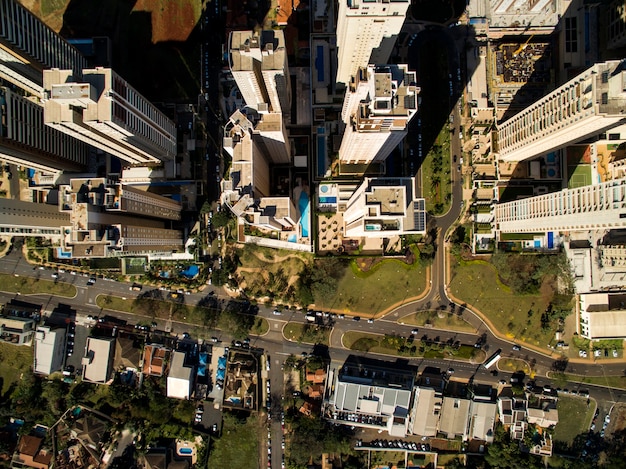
(373, 285)
(436, 174)
(307, 333)
(518, 294)
(438, 320)
(410, 347)
(34, 285)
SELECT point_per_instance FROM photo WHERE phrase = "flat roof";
(97, 360)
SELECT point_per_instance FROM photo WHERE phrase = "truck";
(492, 359)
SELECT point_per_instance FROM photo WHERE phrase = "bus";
(492, 359)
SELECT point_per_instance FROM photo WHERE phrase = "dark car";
(356, 318)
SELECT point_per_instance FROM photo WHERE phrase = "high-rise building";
(258, 62)
(247, 192)
(28, 46)
(600, 206)
(103, 110)
(384, 207)
(366, 33)
(592, 102)
(26, 140)
(378, 106)
(113, 219)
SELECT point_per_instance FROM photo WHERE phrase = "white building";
(588, 104)
(49, 349)
(98, 359)
(602, 315)
(180, 377)
(426, 411)
(384, 207)
(378, 107)
(103, 110)
(258, 62)
(454, 417)
(366, 33)
(370, 396)
(598, 206)
(482, 420)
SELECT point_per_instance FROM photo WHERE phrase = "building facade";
(258, 62)
(366, 33)
(26, 140)
(586, 105)
(103, 110)
(28, 46)
(600, 206)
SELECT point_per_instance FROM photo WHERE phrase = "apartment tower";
(600, 206)
(589, 104)
(258, 62)
(366, 33)
(103, 110)
(378, 107)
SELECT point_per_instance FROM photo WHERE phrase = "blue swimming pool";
(185, 451)
(191, 271)
(303, 205)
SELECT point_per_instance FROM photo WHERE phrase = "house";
(316, 377)
(180, 377)
(455, 413)
(545, 417)
(98, 359)
(512, 411)
(17, 330)
(49, 349)
(482, 420)
(89, 431)
(426, 411)
(30, 454)
(154, 360)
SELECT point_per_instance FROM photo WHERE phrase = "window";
(571, 35)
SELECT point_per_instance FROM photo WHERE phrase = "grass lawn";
(476, 283)
(14, 361)
(398, 346)
(431, 319)
(512, 364)
(238, 446)
(387, 283)
(574, 418)
(30, 285)
(307, 333)
(266, 270)
(261, 327)
(611, 381)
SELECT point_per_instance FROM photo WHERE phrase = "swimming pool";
(185, 451)
(190, 271)
(303, 205)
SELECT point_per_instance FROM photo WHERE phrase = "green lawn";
(476, 283)
(238, 445)
(618, 382)
(307, 333)
(449, 321)
(14, 360)
(388, 283)
(33, 285)
(512, 364)
(574, 418)
(401, 347)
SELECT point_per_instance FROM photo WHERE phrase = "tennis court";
(579, 176)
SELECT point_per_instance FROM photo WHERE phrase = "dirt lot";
(171, 20)
(618, 418)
